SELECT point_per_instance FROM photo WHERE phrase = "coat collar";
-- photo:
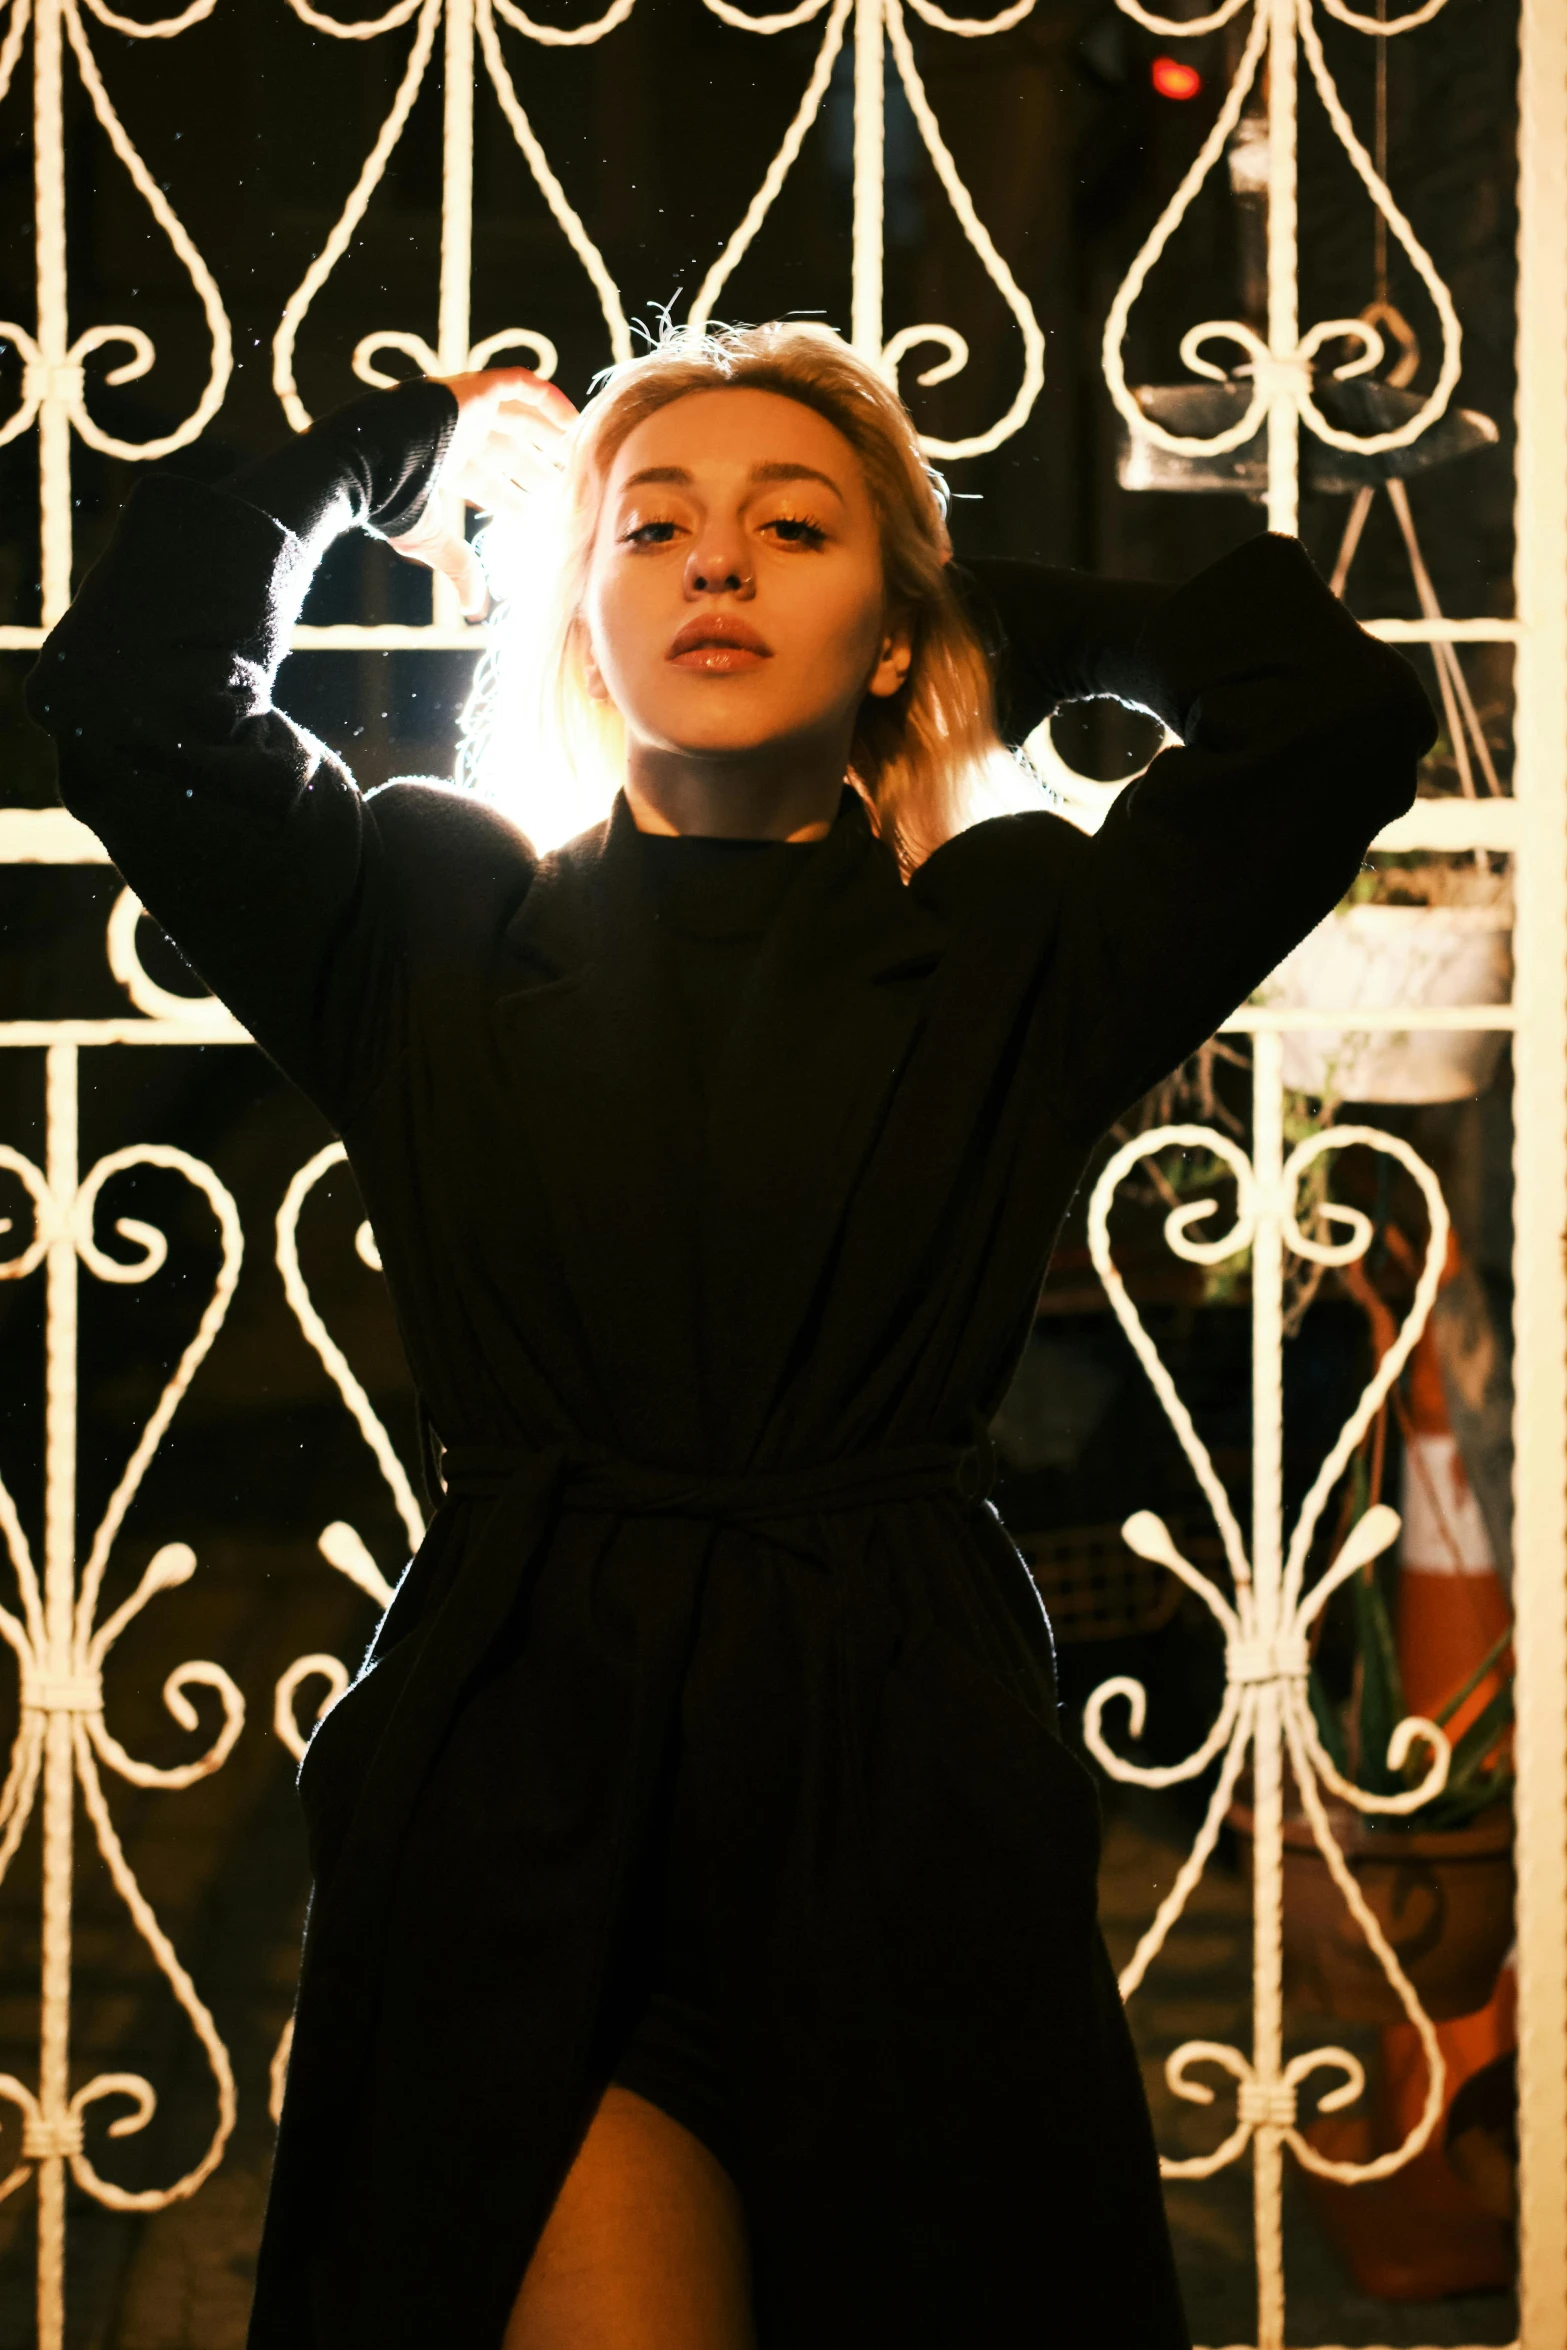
(817, 1044)
(695, 1238)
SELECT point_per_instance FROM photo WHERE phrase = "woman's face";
(735, 602)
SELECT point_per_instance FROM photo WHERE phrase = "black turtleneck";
(715, 901)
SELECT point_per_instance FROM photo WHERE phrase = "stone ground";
(223, 1866)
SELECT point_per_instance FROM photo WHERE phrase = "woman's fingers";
(519, 387)
(466, 574)
(453, 557)
(438, 547)
(513, 451)
(492, 491)
(510, 438)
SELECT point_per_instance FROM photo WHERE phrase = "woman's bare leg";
(645, 2248)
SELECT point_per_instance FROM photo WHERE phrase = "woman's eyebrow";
(780, 470)
(792, 472)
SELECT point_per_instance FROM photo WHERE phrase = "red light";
(1172, 79)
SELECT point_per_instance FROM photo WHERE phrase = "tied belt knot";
(593, 1480)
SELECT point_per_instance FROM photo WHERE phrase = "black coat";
(714, 1618)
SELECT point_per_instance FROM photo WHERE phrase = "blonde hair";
(927, 759)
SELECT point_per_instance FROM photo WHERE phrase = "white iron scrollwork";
(54, 392)
(62, 1648)
(340, 1544)
(1265, 1621)
(878, 23)
(1280, 364)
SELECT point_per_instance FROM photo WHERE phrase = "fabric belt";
(457, 1623)
(592, 1481)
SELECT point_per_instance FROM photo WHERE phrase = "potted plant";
(1442, 1890)
(1439, 1881)
(1420, 930)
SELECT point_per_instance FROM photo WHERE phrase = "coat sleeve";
(1054, 636)
(1299, 739)
(242, 835)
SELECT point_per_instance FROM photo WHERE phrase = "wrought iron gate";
(54, 1624)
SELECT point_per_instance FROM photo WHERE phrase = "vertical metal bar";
(1267, 1348)
(454, 334)
(1283, 264)
(870, 139)
(1540, 1232)
(453, 338)
(54, 2086)
(1267, 1271)
(1267, 1279)
(54, 421)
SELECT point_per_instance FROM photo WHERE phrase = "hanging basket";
(1380, 957)
(1201, 411)
(1443, 1897)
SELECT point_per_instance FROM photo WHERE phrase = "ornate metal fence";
(1265, 1612)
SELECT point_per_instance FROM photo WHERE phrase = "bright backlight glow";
(510, 749)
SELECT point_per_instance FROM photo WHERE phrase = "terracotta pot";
(1443, 1897)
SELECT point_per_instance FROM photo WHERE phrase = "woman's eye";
(794, 531)
(650, 534)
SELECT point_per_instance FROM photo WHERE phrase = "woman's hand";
(510, 436)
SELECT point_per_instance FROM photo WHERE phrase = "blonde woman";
(703, 1948)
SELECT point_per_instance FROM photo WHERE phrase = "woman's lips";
(718, 647)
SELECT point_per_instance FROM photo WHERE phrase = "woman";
(703, 1947)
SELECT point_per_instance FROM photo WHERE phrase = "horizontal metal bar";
(130, 1031)
(1455, 824)
(1445, 631)
(385, 636)
(47, 836)
(1250, 1019)
(1369, 1020)
(390, 637)
(469, 637)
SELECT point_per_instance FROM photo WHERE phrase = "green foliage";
(1357, 1738)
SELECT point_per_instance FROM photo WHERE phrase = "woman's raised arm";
(1300, 737)
(244, 836)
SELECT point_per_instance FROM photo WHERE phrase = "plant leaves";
(1330, 1726)
(1488, 1664)
(1381, 1687)
(1473, 1748)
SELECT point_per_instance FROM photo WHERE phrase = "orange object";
(1174, 79)
(1424, 2233)
(1452, 1608)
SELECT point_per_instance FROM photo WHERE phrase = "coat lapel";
(595, 1044)
(819, 1041)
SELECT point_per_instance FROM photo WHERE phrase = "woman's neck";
(738, 798)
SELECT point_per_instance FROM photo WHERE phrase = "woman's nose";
(718, 566)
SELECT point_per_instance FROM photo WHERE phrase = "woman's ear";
(894, 660)
(592, 675)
